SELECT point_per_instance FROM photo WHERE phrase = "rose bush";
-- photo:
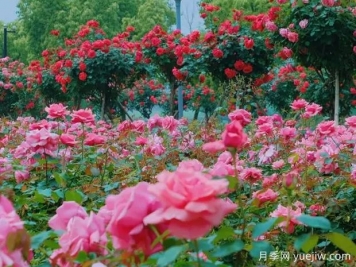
(266, 184)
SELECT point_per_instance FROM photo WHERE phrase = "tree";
(151, 13)
(321, 35)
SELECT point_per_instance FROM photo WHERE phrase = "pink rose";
(263, 196)
(83, 116)
(303, 23)
(326, 128)
(56, 111)
(299, 104)
(328, 3)
(278, 164)
(10, 223)
(191, 205)
(68, 139)
(251, 175)
(42, 142)
(125, 215)
(81, 234)
(242, 116)
(292, 37)
(234, 136)
(193, 164)
(312, 110)
(351, 122)
(283, 32)
(93, 139)
(67, 211)
(21, 176)
(214, 147)
(169, 123)
(290, 217)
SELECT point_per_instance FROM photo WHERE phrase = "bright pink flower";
(234, 136)
(270, 180)
(193, 164)
(271, 26)
(42, 142)
(263, 196)
(317, 210)
(299, 104)
(83, 116)
(169, 123)
(214, 147)
(155, 145)
(67, 211)
(290, 217)
(312, 110)
(288, 133)
(292, 37)
(155, 121)
(191, 206)
(278, 164)
(125, 214)
(251, 175)
(281, 2)
(222, 169)
(57, 111)
(93, 139)
(303, 23)
(283, 32)
(124, 126)
(351, 121)
(354, 49)
(242, 116)
(139, 126)
(328, 3)
(141, 141)
(326, 128)
(10, 223)
(225, 157)
(82, 234)
(21, 176)
(68, 139)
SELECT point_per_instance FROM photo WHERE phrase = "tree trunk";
(172, 99)
(196, 113)
(102, 111)
(337, 98)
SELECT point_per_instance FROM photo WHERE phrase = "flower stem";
(196, 246)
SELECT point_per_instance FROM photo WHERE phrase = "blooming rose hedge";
(164, 192)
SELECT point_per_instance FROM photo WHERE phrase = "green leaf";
(315, 221)
(342, 242)
(310, 243)
(73, 195)
(59, 179)
(232, 182)
(224, 232)
(228, 248)
(37, 240)
(260, 246)
(170, 255)
(82, 257)
(300, 240)
(262, 228)
(45, 192)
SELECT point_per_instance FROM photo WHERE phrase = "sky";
(189, 10)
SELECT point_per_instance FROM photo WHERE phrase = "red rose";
(239, 65)
(247, 69)
(230, 73)
(82, 76)
(217, 53)
(249, 43)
